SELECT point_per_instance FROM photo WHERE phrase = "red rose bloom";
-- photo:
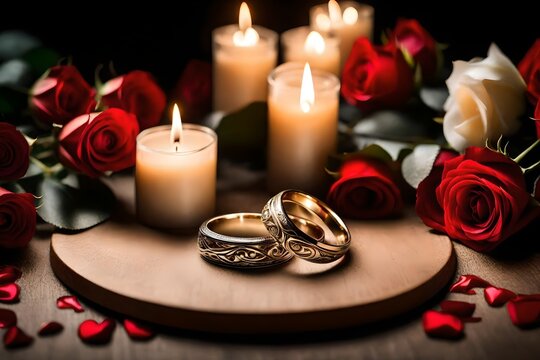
(137, 93)
(376, 77)
(410, 35)
(14, 153)
(194, 90)
(365, 190)
(481, 200)
(99, 142)
(529, 68)
(537, 119)
(17, 219)
(60, 95)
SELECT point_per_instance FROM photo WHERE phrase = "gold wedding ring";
(277, 217)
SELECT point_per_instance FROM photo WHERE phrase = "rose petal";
(9, 274)
(50, 328)
(497, 296)
(466, 283)
(15, 337)
(524, 310)
(92, 332)
(438, 324)
(7, 318)
(9, 293)
(460, 309)
(137, 331)
(69, 302)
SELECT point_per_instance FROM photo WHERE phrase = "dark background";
(157, 38)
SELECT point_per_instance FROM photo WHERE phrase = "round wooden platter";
(393, 266)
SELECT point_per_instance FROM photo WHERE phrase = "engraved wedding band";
(277, 214)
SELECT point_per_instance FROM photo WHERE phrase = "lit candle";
(175, 175)
(301, 45)
(302, 118)
(347, 21)
(243, 56)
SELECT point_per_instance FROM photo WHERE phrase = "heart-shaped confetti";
(497, 296)
(92, 332)
(9, 274)
(15, 337)
(524, 310)
(7, 319)
(458, 308)
(9, 293)
(137, 331)
(50, 328)
(69, 302)
(441, 325)
(466, 283)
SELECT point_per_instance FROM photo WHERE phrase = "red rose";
(99, 142)
(17, 219)
(14, 153)
(60, 95)
(137, 93)
(410, 35)
(481, 200)
(529, 68)
(537, 119)
(194, 90)
(376, 77)
(365, 190)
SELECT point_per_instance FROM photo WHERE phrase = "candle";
(175, 175)
(243, 56)
(348, 22)
(302, 125)
(301, 45)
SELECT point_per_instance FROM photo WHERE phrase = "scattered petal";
(524, 310)
(497, 296)
(15, 337)
(7, 319)
(460, 309)
(9, 293)
(466, 283)
(9, 274)
(69, 302)
(50, 328)
(137, 331)
(438, 324)
(92, 332)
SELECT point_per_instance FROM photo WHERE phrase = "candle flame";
(323, 22)
(244, 17)
(307, 91)
(334, 11)
(247, 35)
(350, 16)
(176, 129)
(314, 43)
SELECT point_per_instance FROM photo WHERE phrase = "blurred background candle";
(243, 56)
(302, 124)
(302, 45)
(347, 20)
(175, 175)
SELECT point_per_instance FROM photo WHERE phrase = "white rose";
(486, 99)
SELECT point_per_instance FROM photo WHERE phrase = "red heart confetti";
(458, 308)
(137, 331)
(9, 274)
(50, 328)
(7, 319)
(9, 293)
(15, 337)
(466, 283)
(441, 325)
(69, 302)
(92, 332)
(497, 296)
(524, 310)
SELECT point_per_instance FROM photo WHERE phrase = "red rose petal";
(471, 319)
(7, 318)
(438, 324)
(9, 274)
(92, 332)
(524, 310)
(137, 331)
(69, 302)
(497, 296)
(458, 308)
(15, 337)
(9, 293)
(466, 283)
(50, 328)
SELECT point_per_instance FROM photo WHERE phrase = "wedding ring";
(276, 216)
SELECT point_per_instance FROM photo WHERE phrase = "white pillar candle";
(175, 175)
(302, 45)
(243, 56)
(302, 124)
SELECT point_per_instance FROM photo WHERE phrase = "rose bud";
(529, 68)
(17, 219)
(194, 90)
(14, 153)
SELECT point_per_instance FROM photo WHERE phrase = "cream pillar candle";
(302, 124)
(175, 175)
(301, 45)
(243, 56)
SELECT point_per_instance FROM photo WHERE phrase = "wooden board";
(393, 266)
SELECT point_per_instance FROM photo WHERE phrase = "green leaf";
(434, 97)
(15, 43)
(40, 59)
(73, 208)
(13, 187)
(417, 165)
